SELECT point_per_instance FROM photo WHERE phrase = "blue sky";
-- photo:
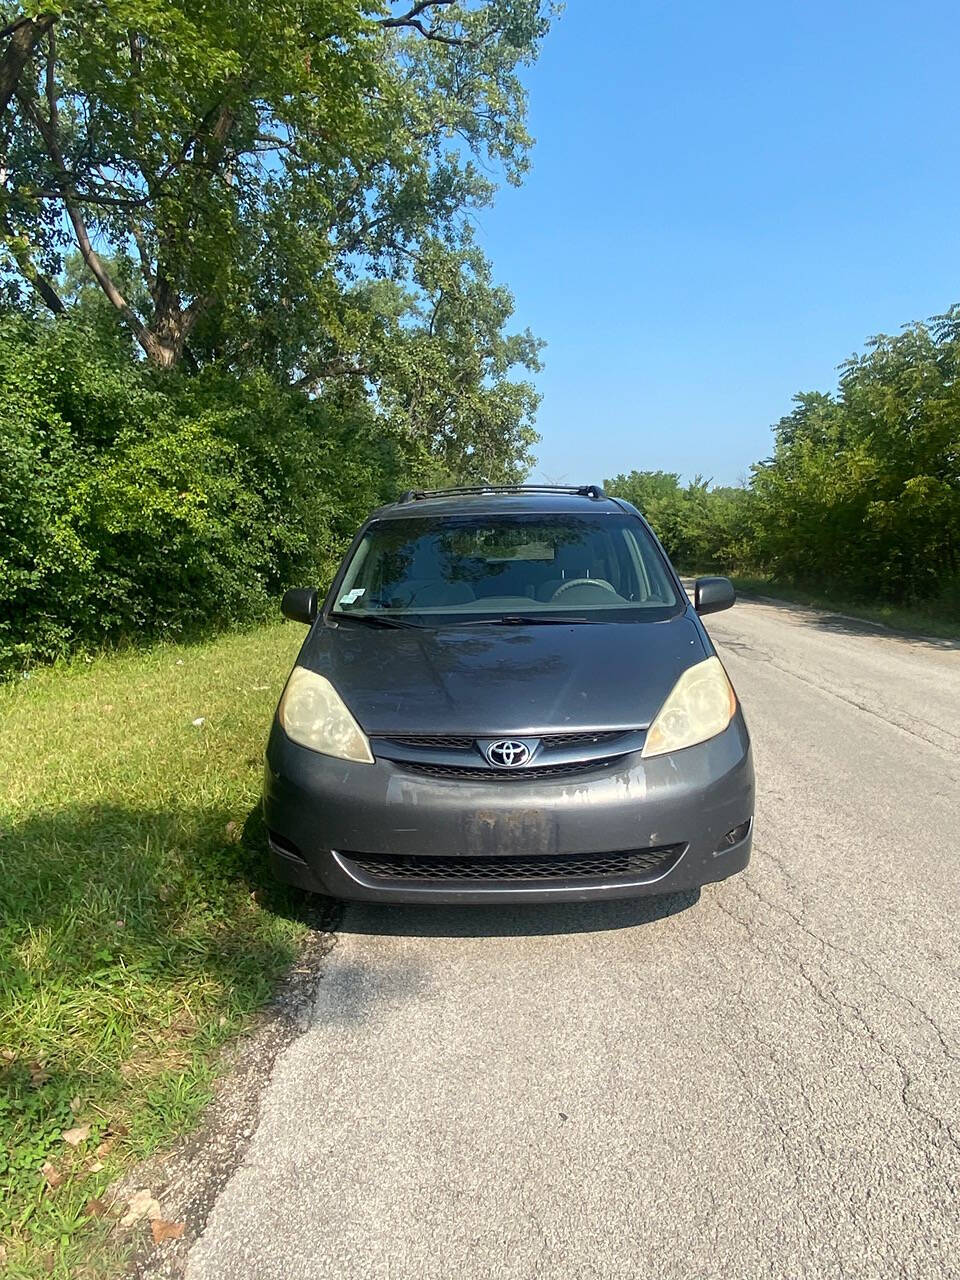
(725, 201)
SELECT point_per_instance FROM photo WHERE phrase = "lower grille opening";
(630, 863)
(528, 773)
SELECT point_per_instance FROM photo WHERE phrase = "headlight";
(701, 705)
(313, 714)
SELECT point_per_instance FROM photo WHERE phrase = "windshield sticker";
(352, 596)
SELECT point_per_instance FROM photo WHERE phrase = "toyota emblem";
(508, 753)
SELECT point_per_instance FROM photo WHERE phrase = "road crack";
(892, 720)
(799, 921)
(848, 1015)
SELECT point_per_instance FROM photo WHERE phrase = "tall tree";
(252, 158)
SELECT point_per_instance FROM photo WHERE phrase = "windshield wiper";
(376, 620)
(520, 620)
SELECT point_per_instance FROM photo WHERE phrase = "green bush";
(140, 504)
(700, 528)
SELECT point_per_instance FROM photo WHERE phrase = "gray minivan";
(507, 695)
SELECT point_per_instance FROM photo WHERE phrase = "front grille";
(464, 773)
(454, 742)
(461, 742)
(578, 739)
(631, 863)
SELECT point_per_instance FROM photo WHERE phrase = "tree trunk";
(163, 351)
(23, 37)
(172, 323)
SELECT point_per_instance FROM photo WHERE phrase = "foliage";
(139, 928)
(246, 165)
(444, 378)
(700, 527)
(863, 490)
(862, 494)
(280, 198)
(137, 505)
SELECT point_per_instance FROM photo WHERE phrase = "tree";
(863, 489)
(645, 489)
(253, 158)
(440, 359)
(701, 527)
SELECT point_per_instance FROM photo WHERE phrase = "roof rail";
(593, 491)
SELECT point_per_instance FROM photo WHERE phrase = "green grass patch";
(138, 926)
(932, 620)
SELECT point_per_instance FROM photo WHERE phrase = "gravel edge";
(188, 1179)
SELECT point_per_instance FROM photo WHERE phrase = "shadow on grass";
(133, 942)
(130, 940)
(166, 888)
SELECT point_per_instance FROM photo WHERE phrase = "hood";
(493, 680)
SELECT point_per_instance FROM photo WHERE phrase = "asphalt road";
(760, 1082)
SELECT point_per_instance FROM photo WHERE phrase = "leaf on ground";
(95, 1166)
(199, 722)
(118, 1128)
(141, 1204)
(75, 1136)
(233, 831)
(75, 1104)
(52, 1174)
(166, 1230)
(39, 1073)
(104, 1147)
(95, 1208)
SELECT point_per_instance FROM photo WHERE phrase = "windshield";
(595, 567)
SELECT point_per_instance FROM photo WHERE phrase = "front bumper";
(329, 820)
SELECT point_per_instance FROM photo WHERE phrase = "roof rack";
(593, 491)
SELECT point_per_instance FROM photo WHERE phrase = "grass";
(138, 928)
(929, 621)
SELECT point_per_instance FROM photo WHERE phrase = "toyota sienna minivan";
(507, 694)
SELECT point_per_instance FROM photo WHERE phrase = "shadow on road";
(844, 624)
(840, 623)
(533, 920)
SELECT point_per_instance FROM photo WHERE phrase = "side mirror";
(710, 595)
(299, 604)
